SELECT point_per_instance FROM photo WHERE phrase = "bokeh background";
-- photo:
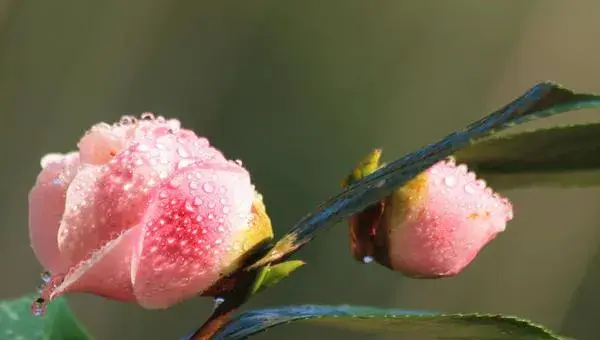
(300, 91)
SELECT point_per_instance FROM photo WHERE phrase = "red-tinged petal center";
(190, 227)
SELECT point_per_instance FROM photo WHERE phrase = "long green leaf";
(559, 156)
(58, 323)
(542, 100)
(410, 324)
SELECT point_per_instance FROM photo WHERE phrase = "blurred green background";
(300, 90)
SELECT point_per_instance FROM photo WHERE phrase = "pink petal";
(106, 273)
(46, 206)
(191, 233)
(441, 220)
(100, 144)
(104, 200)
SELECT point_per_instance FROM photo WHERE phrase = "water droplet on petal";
(127, 120)
(182, 152)
(469, 189)
(185, 162)
(208, 187)
(239, 162)
(462, 169)
(194, 185)
(143, 148)
(174, 183)
(147, 116)
(450, 181)
(480, 184)
(368, 259)
(197, 201)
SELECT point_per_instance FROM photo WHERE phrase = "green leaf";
(411, 324)
(270, 275)
(58, 323)
(542, 100)
(560, 156)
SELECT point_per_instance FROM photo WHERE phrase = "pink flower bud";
(145, 211)
(432, 227)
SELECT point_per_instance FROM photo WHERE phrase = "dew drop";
(218, 241)
(218, 301)
(208, 187)
(46, 276)
(194, 185)
(147, 116)
(239, 162)
(450, 181)
(197, 201)
(368, 259)
(127, 120)
(38, 307)
(182, 152)
(469, 189)
(480, 184)
(201, 143)
(174, 183)
(143, 147)
(211, 216)
(226, 210)
(184, 162)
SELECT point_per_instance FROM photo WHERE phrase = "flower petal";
(106, 199)
(190, 233)
(440, 221)
(105, 273)
(46, 207)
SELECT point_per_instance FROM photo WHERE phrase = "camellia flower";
(433, 226)
(145, 211)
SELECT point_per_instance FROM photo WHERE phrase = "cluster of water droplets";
(38, 307)
(472, 185)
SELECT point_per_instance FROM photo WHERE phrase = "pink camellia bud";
(433, 226)
(145, 211)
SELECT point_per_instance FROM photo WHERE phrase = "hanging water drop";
(218, 301)
(38, 307)
(368, 259)
(46, 276)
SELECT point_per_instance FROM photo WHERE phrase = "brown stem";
(238, 291)
(212, 325)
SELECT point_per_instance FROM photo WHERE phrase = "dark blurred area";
(300, 91)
